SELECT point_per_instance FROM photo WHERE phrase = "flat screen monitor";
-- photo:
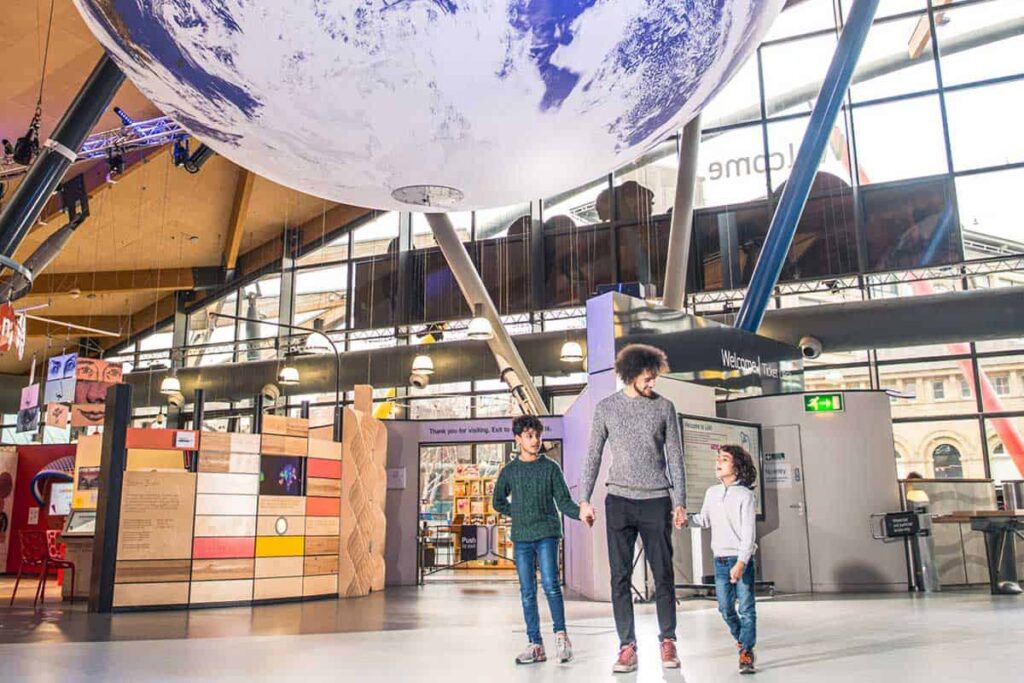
(702, 437)
(60, 499)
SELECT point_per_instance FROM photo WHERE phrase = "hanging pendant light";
(171, 384)
(317, 341)
(572, 352)
(289, 375)
(480, 327)
(423, 365)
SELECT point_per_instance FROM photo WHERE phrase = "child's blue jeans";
(528, 555)
(742, 622)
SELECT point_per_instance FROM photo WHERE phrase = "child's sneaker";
(669, 656)
(563, 648)
(532, 654)
(747, 662)
(626, 663)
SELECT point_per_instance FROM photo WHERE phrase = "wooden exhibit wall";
(259, 520)
(364, 489)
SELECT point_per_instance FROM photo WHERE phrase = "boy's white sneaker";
(563, 648)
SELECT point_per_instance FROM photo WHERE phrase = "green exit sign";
(823, 403)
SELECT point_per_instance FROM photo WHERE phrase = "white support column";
(679, 239)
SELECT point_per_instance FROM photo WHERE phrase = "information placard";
(156, 516)
(702, 438)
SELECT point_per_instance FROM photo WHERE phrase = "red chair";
(35, 552)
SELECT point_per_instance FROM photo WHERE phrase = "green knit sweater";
(535, 488)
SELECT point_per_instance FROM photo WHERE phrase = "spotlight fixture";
(171, 384)
(423, 365)
(480, 327)
(27, 146)
(179, 152)
(8, 147)
(198, 158)
(125, 119)
(572, 352)
(115, 164)
(289, 375)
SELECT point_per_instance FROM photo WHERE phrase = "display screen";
(281, 475)
(702, 438)
(60, 499)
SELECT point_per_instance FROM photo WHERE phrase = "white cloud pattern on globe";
(502, 100)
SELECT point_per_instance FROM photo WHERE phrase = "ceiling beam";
(38, 328)
(239, 212)
(115, 282)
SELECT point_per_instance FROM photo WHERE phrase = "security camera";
(419, 381)
(810, 347)
(270, 392)
(176, 399)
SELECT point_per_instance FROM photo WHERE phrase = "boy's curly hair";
(635, 358)
(743, 463)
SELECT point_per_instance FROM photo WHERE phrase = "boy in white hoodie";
(729, 510)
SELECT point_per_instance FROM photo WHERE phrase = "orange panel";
(158, 438)
(324, 469)
(323, 507)
(216, 548)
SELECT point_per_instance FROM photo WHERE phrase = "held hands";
(736, 573)
(587, 515)
(679, 517)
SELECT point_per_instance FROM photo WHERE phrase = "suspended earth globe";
(450, 104)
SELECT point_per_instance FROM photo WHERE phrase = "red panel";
(162, 439)
(31, 459)
(324, 469)
(222, 548)
(323, 507)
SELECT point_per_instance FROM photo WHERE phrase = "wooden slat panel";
(235, 463)
(150, 594)
(152, 571)
(275, 444)
(267, 525)
(324, 469)
(224, 525)
(326, 488)
(320, 564)
(229, 484)
(216, 504)
(323, 526)
(155, 459)
(279, 546)
(282, 505)
(328, 450)
(320, 585)
(286, 426)
(267, 567)
(270, 589)
(219, 570)
(323, 507)
(218, 548)
(221, 591)
(219, 442)
(322, 545)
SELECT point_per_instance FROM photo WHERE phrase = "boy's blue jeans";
(742, 623)
(528, 555)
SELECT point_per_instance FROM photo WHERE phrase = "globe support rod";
(58, 153)
(681, 230)
(798, 187)
(511, 367)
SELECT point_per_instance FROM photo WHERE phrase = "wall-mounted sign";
(823, 403)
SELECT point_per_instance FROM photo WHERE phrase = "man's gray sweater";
(646, 451)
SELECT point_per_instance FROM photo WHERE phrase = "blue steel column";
(57, 154)
(798, 187)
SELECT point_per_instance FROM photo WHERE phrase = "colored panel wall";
(218, 548)
(279, 546)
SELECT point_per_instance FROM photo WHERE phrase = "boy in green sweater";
(536, 485)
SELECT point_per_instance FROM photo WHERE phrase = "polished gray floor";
(471, 632)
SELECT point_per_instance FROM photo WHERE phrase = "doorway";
(788, 563)
(461, 536)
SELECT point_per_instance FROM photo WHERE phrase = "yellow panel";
(153, 459)
(279, 546)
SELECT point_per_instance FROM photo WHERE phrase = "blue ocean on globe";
(502, 101)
